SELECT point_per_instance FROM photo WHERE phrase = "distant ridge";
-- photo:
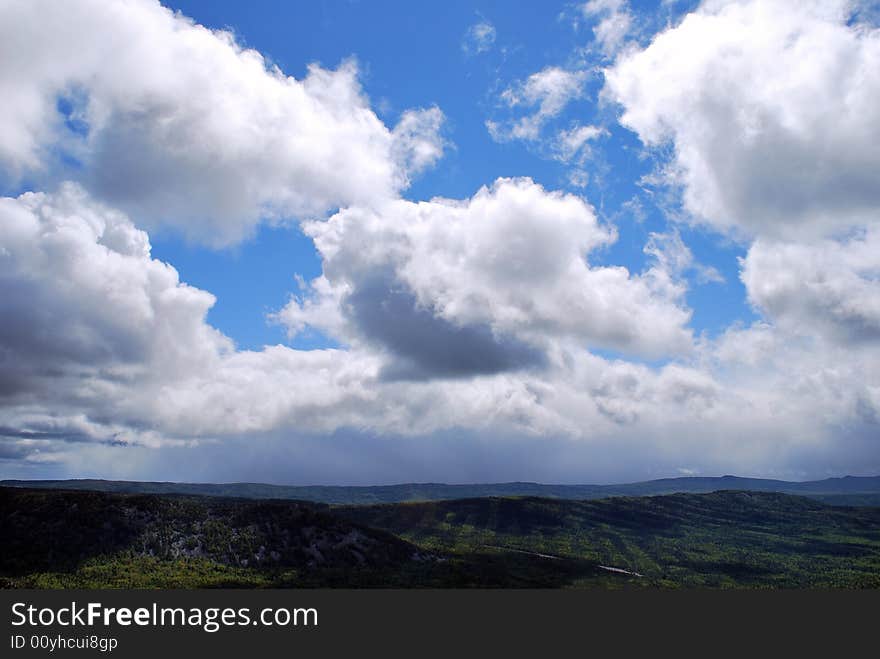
(848, 490)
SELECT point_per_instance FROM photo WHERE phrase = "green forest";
(727, 539)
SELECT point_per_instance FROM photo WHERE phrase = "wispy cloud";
(544, 95)
(614, 24)
(479, 38)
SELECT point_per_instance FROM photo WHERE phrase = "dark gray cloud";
(49, 330)
(48, 435)
(423, 345)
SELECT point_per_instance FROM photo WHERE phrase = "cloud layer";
(490, 330)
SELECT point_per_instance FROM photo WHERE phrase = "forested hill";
(729, 539)
(719, 539)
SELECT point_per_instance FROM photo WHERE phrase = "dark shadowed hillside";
(61, 531)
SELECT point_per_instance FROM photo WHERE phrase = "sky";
(352, 242)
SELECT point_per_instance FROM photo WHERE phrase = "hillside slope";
(61, 531)
(726, 538)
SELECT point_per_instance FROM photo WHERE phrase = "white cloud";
(614, 26)
(177, 124)
(90, 319)
(490, 280)
(104, 343)
(676, 258)
(479, 38)
(799, 382)
(774, 112)
(81, 292)
(772, 109)
(547, 92)
(418, 143)
(101, 342)
(830, 287)
(572, 143)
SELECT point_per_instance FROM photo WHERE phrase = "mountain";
(826, 489)
(56, 538)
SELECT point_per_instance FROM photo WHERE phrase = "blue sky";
(364, 242)
(255, 278)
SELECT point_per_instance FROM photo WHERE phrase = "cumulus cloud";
(92, 324)
(772, 109)
(546, 93)
(828, 391)
(483, 285)
(102, 342)
(105, 344)
(831, 287)
(177, 124)
(479, 38)
(84, 299)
